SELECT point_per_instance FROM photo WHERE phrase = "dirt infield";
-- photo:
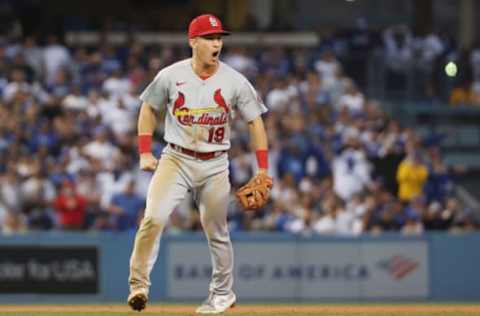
(254, 309)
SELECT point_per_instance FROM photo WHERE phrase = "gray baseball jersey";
(199, 111)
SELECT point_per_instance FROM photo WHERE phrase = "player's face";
(207, 48)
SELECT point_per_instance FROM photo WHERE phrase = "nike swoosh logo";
(179, 83)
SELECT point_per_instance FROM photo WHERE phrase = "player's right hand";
(148, 162)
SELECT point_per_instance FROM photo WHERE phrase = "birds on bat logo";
(220, 101)
(186, 116)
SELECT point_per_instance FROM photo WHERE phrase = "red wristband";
(262, 158)
(144, 143)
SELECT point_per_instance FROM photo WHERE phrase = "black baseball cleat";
(138, 301)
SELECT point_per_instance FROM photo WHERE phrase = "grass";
(249, 314)
(443, 309)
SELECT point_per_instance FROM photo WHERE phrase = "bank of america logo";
(398, 266)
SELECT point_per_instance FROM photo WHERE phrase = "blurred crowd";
(432, 67)
(341, 165)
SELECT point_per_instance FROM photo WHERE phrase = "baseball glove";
(256, 192)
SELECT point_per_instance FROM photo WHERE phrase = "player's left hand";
(256, 193)
(148, 162)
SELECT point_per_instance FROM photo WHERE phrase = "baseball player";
(200, 95)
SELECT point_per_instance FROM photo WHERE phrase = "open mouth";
(215, 54)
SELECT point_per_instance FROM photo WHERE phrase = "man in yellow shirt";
(411, 177)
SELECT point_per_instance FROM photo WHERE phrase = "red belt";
(196, 154)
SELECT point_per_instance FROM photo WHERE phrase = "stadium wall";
(93, 267)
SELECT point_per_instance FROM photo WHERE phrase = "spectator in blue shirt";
(126, 208)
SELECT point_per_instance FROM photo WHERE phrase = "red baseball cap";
(204, 25)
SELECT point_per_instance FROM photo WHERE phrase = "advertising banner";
(48, 270)
(310, 270)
